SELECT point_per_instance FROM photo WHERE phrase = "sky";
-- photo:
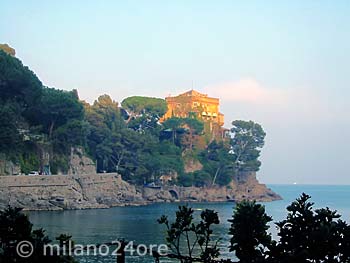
(283, 64)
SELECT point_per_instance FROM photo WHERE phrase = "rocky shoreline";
(61, 192)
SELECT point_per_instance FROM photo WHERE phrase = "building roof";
(193, 93)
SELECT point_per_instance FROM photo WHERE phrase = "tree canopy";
(18, 83)
(246, 143)
(138, 105)
(57, 108)
(127, 138)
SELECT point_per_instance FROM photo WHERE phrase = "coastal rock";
(80, 163)
(85, 191)
(157, 195)
(66, 192)
(8, 167)
(245, 186)
(192, 165)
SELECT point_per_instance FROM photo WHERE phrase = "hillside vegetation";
(39, 127)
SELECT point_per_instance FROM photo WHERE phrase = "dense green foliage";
(139, 105)
(138, 155)
(58, 108)
(218, 161)
(249, 237)
(248, 139)
(20, 90)
(306, 235)
(143, 113)
(38, 121)
(35, 119)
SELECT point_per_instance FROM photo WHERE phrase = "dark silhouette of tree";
(249, 225)
(16, 227)
(306, 235)
(199, 245)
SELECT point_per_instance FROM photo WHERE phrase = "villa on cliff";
(195, 104)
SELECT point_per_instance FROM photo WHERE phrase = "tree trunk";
(191, 139)
(174, 136)
(51, 129)
(216, 174)
(119, 161)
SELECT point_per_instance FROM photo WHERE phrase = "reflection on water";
(140, 223)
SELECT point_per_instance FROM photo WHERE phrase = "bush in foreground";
(306, 235)
(16, 227)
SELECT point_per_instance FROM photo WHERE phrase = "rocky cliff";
(67, 192)
(107, 190)
(245, 187)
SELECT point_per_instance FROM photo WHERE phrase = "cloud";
(305, 127)
(299, 103)
(248, 91)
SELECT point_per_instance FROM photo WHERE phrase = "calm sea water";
(139, 223)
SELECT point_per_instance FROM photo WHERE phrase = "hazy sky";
(284, 64)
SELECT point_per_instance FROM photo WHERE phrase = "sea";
(139, 225)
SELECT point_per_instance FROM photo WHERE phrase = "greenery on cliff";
(39, 127)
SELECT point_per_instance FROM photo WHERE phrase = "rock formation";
(247, 187)
(8, 167)
(58, 192)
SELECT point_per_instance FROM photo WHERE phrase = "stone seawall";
(60, 192)
(66, 192)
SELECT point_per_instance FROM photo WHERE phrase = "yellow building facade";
(193, 103)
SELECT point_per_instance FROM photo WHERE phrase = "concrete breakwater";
(60, 192)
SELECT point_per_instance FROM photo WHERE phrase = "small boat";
(230, 199)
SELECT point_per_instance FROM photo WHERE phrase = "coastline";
(102, 191)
